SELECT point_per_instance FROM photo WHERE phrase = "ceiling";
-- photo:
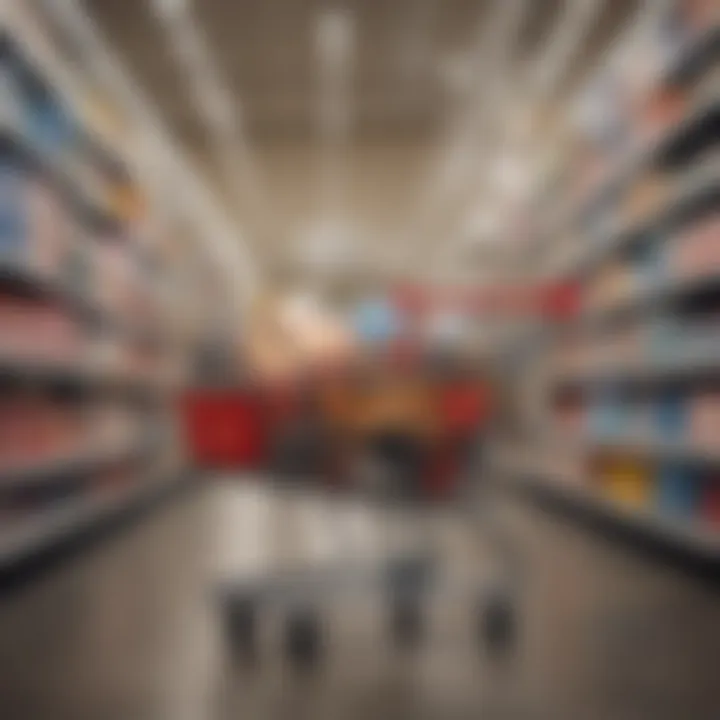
(409, 80)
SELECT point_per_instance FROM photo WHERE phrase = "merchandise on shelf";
(39, 330)
(37, 430)
(710, 501)
(613, 284)
(658, 113)
(649, 264)
(704, 418)
(643, 199)
(570, 416)
(670, 416)
(626, 480)
(113, 277)
(695, 251)
(612, 416)
(678, 491)
(34, 227)
(113, 425)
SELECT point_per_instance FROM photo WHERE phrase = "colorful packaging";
(710, 501)
(678, 490)
(627, 481)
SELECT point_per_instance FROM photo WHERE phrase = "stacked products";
(83, 325)
(635, 377)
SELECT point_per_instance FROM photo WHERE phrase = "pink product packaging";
(696, 252)
(111, 426)
(47, 228)
(35, 430)
(704, 419)
(698, 15)
(113, 276)
(63, 337)
(571, 419)
(33, 221)
(34, 330)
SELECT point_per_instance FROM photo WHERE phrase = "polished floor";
(130, 630)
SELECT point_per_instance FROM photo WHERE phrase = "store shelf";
(21, 279)
(76, 374)
(659, 296)
(699, 541)
(699, 193)
(698, 56)
(82, 196)
(51, 528)
(700, 128)
(73, 464)
(652, 447)
(699, 367)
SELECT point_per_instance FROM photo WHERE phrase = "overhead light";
(328, 246)
(169, 8)
(513, 175)
(334, 31)
(480, 226)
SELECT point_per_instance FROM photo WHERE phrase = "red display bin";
(225, 428)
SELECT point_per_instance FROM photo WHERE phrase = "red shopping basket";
(225, 428)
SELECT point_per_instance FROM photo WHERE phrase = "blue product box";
(13, 217)
(671, 416)
(679, 490)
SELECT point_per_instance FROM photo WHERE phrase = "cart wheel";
(497, 622)
(303, 637)
(407, 622)
(241, 615)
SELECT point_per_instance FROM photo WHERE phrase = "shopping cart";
(404, 567)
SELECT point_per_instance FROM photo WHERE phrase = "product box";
(678, 491)
(670, 416)
(695, 251)
(627, 481)
(38, 330)
(36, 430)
(704, 419)
(113, 277)
(33, 219)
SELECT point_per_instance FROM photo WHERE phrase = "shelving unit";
(71, 466)
(620, 417)
(702, 544)
(91, 353)
(70, 519)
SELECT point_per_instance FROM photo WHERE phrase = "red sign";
(556, 300)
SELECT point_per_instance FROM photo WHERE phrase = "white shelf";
(671, 369)
(647, 446)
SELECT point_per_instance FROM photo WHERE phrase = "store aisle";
(129, 631)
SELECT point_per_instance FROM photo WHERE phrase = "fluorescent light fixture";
(480, 225)
(334, 34)
(327, 246)
(169, 8)
(513, 175)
